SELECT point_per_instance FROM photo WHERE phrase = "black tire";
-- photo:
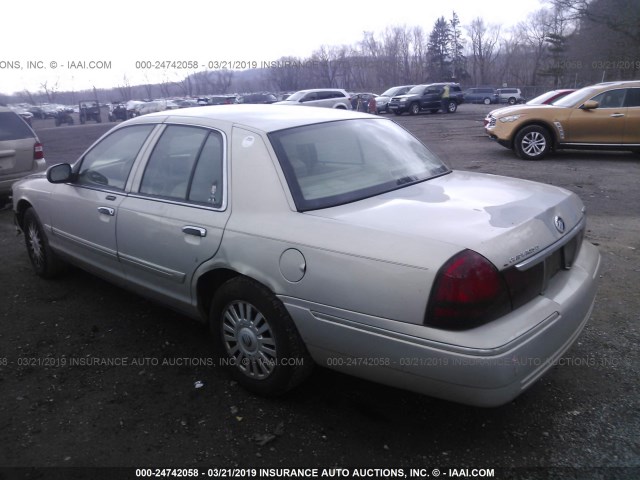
(452, 106)
(82, 119)
(512, 101)
(414, 108)
(487, 101)
(254, 333)
(44, 261)
(434, 110)
(532, 143)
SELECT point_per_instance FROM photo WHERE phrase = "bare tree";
(125, 89)
(484, 48)
(51, 91)
(286, 75)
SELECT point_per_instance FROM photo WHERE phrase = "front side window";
(610, 99)
(186, 165)
(108, 163)
(339, 162)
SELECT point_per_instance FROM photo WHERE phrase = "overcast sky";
(52, 34)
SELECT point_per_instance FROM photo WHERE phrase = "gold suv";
(602, 116)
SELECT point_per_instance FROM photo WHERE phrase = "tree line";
(568, 43)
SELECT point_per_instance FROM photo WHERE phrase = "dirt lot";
(582, 419)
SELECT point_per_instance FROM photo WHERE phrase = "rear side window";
(12, 127)
(186, 165)
(633, 97)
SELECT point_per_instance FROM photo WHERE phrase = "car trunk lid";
(506, 220)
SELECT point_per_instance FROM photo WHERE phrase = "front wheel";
(257, 339)
(44, 261)
(414, 109)
(532, 143)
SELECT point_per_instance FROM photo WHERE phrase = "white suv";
(510, 95)
(320, 97)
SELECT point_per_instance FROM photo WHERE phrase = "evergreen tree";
(439, 51)
(458, 60)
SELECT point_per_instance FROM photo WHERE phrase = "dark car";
(382, 100)
(486, 95)
(257, 98)
(89, 110)
(428, 97)
(118, 112)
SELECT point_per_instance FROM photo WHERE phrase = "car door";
(84, 212)
(431, 98)
(632, 125)
(174, 219)
(601, 126)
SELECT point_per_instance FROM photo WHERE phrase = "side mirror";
(60, 173)
(589, 105)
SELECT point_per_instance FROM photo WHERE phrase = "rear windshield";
(12, 127)
(334, 163)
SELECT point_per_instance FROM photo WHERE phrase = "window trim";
(77, 166)
(135, 191)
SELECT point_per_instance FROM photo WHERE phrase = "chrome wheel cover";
(248, 340)
(36, 250)
(533, 144)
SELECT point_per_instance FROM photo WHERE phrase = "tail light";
(38, 151)
(468, 292)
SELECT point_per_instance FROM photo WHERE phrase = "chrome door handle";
(616, 115)
(107, 211)
(195, 231)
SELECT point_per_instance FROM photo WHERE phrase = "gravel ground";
(58, 409)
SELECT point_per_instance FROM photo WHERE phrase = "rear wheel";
(487, 101)
(452, 106)
(512, 101)
(532, 143)
(44, 261)
(257, 339)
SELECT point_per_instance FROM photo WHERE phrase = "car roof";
(268, 118)
(627, 83)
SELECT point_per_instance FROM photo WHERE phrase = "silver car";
(326, 237)
(320, 97)
(21, 153)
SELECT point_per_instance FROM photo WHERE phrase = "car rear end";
(21, 153)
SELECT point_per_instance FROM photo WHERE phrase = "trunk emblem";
(559, 223)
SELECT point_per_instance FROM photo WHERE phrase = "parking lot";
(92, 375)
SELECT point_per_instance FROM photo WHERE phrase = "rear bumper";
(481, 377)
